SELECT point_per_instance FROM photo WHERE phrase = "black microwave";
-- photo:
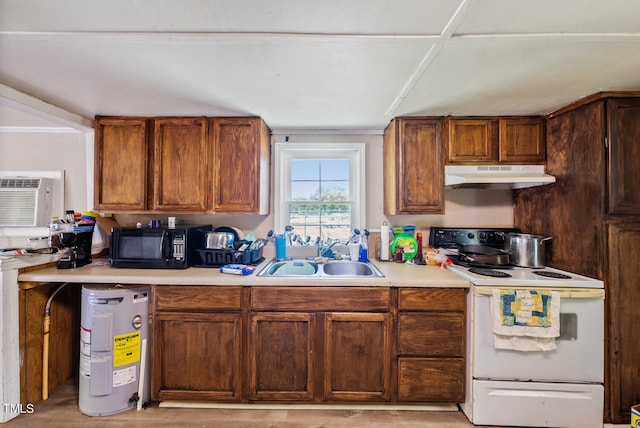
(156, 248)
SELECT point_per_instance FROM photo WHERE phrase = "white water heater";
(114, 349)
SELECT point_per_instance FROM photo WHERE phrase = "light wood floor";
(61, 411)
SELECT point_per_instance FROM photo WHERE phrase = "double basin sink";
(309, 268)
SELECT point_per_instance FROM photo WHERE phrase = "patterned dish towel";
(525, 320)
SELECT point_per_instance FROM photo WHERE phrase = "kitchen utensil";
(526, 250)
(479, 254)
(219, 240)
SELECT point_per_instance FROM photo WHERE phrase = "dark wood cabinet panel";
(521, 140)
(357, 357)
(197, 356)
(471, 141)
(624, 154)
(121, 156)
(320, 299)
(241, 153)
(282, 356)
(200, 298)
(181, 164)
(413, 166)
(431, 299)
(623, 295)
(435, 380)
(431, 334)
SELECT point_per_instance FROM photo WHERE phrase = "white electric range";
(562, 387)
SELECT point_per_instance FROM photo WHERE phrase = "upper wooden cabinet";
(121, 156)
(413, 166)
(623, 143)
(509, 140)
(241, 153)
(182, 165)
(180, 162)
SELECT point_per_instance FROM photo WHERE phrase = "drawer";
(196, 298)
(356, 299)
(431, 299)
(436, 380)
(431, 334)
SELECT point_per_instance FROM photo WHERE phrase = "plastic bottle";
(364, 247)
(384, 241)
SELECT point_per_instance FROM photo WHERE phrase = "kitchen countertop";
(396, 275)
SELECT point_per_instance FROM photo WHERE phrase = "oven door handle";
(565, 293)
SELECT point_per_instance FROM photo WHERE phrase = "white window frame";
(285, 152)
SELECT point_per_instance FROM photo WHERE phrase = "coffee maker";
(76, 248)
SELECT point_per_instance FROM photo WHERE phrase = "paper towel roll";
(384, 241)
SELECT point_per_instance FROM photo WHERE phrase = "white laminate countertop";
(396, 275)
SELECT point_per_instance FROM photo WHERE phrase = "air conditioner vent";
(19, 183)
(25, 201)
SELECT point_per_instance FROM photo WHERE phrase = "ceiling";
(308, 64)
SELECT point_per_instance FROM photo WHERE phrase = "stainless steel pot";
(219, 240)
(526, 250)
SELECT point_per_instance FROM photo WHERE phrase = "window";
(319, 189)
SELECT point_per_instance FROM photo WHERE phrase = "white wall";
(44, 151)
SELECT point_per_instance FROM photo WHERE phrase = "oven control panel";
(450, 237)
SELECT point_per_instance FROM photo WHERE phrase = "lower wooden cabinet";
(282, 363)
(308, 344)
(197, 343)
(357, 357)
(431, 345)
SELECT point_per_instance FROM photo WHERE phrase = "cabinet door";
(180, 164)
(413, 167)
(357, 360)
(121, 153)
(436, 380)
(431, 334)
(471, 141)
(623, 295)
(281, 356)
(624, 152)
(241, 153)
(197, 356)
(521, 140)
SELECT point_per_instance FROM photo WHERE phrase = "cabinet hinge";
(606, 143)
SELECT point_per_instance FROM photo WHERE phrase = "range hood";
(496, 176)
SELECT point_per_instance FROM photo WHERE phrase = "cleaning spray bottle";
(364, 247)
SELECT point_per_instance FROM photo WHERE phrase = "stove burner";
(549, 274)
(490, 272)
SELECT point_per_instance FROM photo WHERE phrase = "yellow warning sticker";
(126, 349)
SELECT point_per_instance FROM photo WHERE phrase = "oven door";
(579, 356)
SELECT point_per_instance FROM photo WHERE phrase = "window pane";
(335, 191)
(331, 221)
(305, 190)
(302, 169)
(335, 169)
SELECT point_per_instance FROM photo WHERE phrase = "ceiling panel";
(304, 16)
(324, 65)
(521, 77)
(552, 16)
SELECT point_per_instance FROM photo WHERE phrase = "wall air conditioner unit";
(25, 201)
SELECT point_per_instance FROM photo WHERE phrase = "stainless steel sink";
(308, 268)
(348, 268)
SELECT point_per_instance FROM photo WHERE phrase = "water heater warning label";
(126, 349)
